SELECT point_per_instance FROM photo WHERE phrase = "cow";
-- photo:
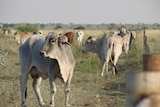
(38, 32)
(46, 57)
(145, 102)
(108, 48)
(70, 36)
(127, 39)
(6, 31)
(133, 37)
(21, 37)
(79, 37)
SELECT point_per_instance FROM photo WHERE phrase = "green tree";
(112, 26)
(42, 26)
(25, 28)
(80, 27)
(58, 27)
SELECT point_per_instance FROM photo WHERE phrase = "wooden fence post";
(143, 88)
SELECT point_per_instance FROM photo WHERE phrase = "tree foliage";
(58, 27)
(106, 26)
(80, 27)
(27, 28)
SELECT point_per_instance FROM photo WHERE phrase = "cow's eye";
(52, 41)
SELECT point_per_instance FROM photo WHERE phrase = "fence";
(143, 88)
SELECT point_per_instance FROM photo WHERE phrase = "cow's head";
(17, 37)
(53, 45)
(90, 45)
(122, 32)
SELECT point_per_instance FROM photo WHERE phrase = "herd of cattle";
(109, 47)
(51, 57)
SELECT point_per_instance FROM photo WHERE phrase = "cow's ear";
(60, 34)
(93, 41)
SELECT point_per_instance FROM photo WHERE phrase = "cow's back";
(117, 44)
(25, 54)
(30, 51)
(32, 43)
(25, 35)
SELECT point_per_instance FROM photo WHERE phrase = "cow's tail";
(111, 42)
(26, 93)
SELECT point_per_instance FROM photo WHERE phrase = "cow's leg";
(114, 66)
(103, 68)
(113, 70)
(52, 90)
(78, 41)
(19, 42)
(126, 46)
(106, 64)
(23, 85)
(67, 88)
(36, 86)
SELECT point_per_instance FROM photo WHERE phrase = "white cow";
(108, 48)
(43, 57)
(79, 37)
(128, 38)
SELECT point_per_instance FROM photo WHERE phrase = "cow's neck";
(99, 47)
(63, 62)
(61, 56)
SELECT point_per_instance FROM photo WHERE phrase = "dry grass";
(88, 88)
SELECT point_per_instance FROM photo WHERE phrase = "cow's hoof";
(42, 103)
(51, 105)
(68, 105)
(101, 75)
(23, 106)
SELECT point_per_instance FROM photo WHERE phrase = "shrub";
(29, 28)
(80, 27)
(2, 57)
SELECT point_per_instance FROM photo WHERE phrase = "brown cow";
(70, 36)
(6, 31)
(21, 37)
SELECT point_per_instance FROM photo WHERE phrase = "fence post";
(143, 88)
